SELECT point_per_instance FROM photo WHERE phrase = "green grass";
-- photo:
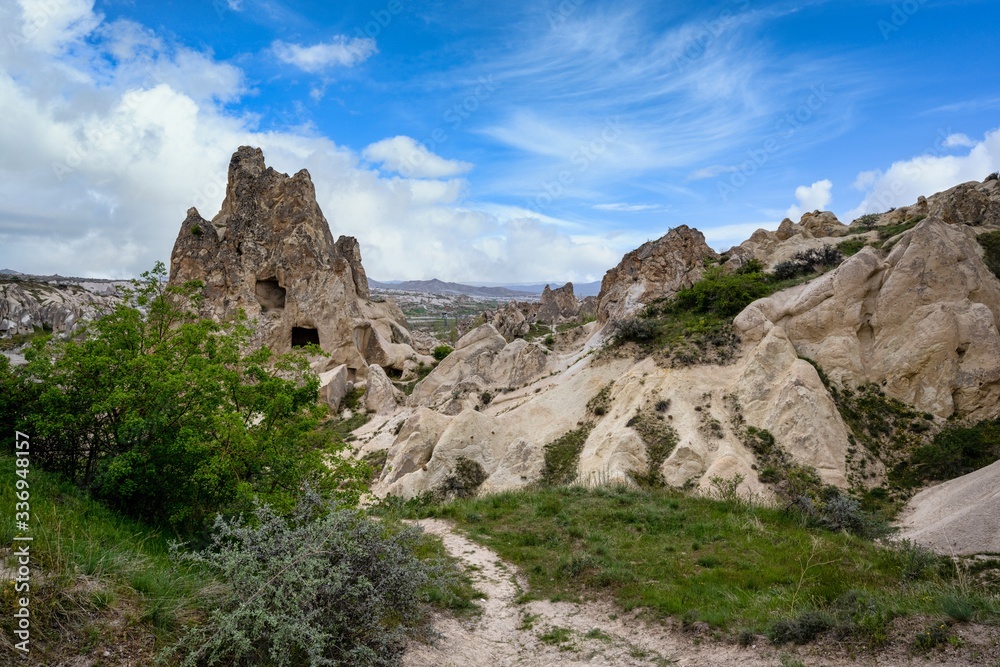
(562, 456)
(851, 247)
(98, 579)
(889, 231)
(735, 566)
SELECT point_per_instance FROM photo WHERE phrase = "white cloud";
(626, 208)
(341, 51)
(864, 180)
(958, 140)
(928, 173)
(410, 158)
(106, 143)
(810, 198)
(712, 172)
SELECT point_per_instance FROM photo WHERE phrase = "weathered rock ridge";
(270, 253)
(63, 308)
(916, 315)
(654, 270)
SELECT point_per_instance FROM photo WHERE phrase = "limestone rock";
(822, 224)
(783, 394)
(655, 270)
(482, 360)
(958, 517)
(334, 385)
(922, 323)
(63, 309)
(558, 306)
(510, 321)
(381, 396)
(269, 251)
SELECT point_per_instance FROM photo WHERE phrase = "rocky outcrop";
(922, 322)
(269, 252)
(655, 270)
(482, 360)
(957, 517)
(972, 203)
(510, 320)
(381, 396)
(64, 308)
(558, 306)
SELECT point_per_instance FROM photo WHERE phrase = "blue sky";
(483, 142)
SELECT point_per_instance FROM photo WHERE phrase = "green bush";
(722, 294)
(441, 351)
(954, 451)
(808, 261)
(990, 241)
(868, 220)
(325, 586)
(166, 418)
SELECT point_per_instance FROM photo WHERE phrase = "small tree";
(166, 416)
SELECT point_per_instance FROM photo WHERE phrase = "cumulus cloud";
(107, 142)
(811, 198)
(410, 158)
(927, 173)
(958, 140)
(341, 51)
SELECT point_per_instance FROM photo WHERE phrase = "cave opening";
(270, 295)
(302, 336)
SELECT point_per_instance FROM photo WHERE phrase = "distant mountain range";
(515, 291)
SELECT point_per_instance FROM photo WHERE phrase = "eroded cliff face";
(270, 253)
(655, 270)
(917, 316)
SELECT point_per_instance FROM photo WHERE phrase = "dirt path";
(547, 634)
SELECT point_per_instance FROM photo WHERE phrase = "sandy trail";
(562, 634)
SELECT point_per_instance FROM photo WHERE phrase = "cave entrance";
(270, 295)
(302, 336)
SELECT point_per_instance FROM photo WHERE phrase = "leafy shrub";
(441, 351)
(868, 220)
(632, 330)
(720, 294)
(464, 480)
(932, 638)
(953, 452)
(752, 265)
(992, 177)
(808, 261)
(800, 630)
(325, 586)
(485, 398)
(165, 417)
(990, 241)
(549, 341)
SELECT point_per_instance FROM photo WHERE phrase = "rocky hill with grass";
(817, 364)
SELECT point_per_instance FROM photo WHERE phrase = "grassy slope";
(99, 581)
(735, 566)
(102, 582)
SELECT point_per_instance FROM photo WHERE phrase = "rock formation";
(558, 306)
(917, 315)
(655, 270)
(269, 252)
(64, 308)
(922, 322)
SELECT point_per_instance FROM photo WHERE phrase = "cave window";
(270, 295)
(302, 336)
